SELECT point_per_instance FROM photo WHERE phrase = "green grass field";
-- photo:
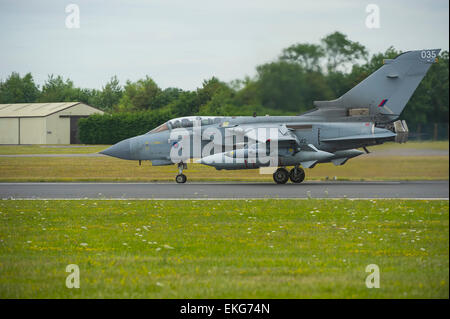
(50, 149)
(428, 145)
(224, 249)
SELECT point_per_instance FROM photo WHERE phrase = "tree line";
(288, 85)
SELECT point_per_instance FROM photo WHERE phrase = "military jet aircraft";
(333, 131)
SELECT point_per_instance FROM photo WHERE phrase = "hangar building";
(42, 123)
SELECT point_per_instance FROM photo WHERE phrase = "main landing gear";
(281, 176)
(181, 178)
(296, 175)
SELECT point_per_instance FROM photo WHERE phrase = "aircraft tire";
(281, 176)
(181, 178)
(297, 176)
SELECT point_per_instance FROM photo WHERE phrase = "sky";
(180, 43)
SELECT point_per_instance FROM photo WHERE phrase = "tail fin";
(382, 96)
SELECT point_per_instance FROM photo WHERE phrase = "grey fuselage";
(156, 146)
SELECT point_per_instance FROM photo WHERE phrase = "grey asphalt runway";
(404, 189)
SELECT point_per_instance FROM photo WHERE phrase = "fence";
(429, 132)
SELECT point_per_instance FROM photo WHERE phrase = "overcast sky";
(179, 43)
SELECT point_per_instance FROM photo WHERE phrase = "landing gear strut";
(297, 174)
(181, 178)
(281, 176)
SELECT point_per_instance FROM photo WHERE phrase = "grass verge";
(50, 149)
(59, 169)
(224, 249)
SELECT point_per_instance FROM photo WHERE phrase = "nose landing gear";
(181, 178)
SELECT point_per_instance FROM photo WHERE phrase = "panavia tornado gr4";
(366, 115)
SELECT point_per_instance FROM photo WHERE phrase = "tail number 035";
(428, 54)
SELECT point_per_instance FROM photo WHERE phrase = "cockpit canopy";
(186, 122)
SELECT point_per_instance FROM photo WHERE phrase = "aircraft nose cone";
(119, 150)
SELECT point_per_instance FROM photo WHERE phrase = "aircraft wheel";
(181, 179)
(281, 176)
(297, 175)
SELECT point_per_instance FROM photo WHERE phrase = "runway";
(355, 190)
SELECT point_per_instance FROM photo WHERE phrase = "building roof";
(33, 109)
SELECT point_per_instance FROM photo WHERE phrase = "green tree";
(111, 94)
(210, 88)
(281, 85)
(187, 104)
(166, 96)
(307, 55)
(316, 89)
(247, 92)
(16, 89)
(140, 95)
(55, 89)
(339, 50)
(216, 105)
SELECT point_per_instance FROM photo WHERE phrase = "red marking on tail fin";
(382, 103)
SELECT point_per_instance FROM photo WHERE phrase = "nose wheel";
(181, 178)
